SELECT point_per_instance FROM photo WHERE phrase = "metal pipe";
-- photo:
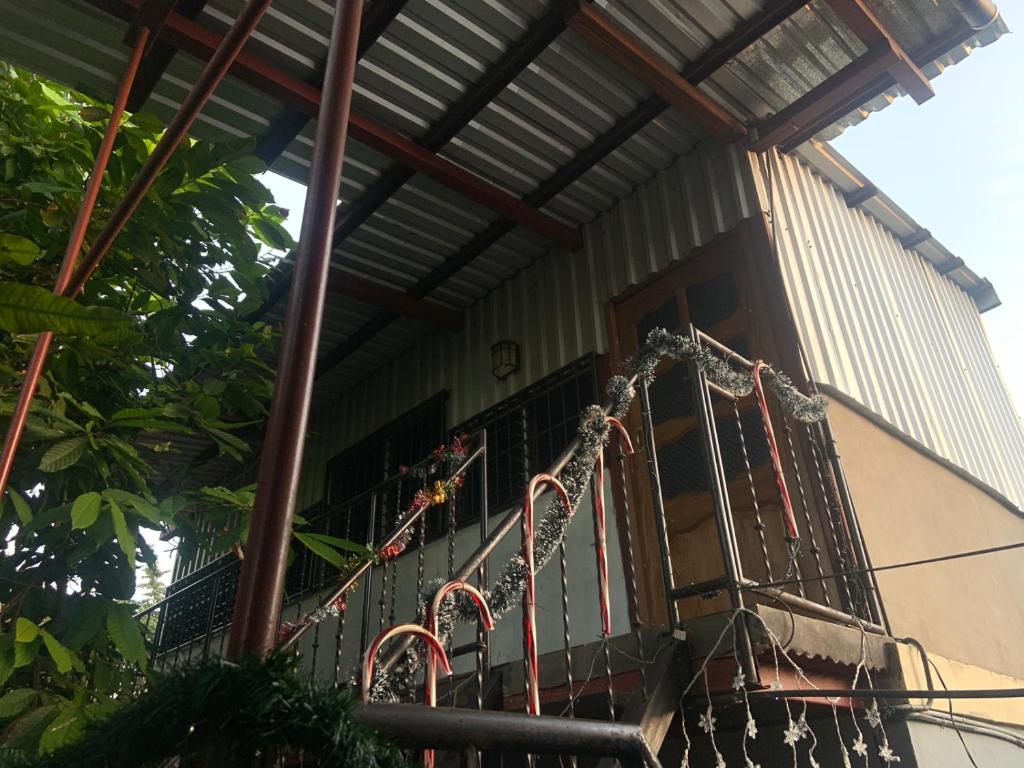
(849, 512)
(215, 70)
(415, 727)
(16, 426)
(258, 604)
(888, 693)
(809, 606)
(719, 487)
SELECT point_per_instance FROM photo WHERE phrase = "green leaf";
(339, 543)
(125, 538)
(85, 509)
(25, 630)
(148, 121)
(126, 634)
(17, 701)
(151, 512)
(21, 507)
(25, 653)
(248, 166)
(63, 454)
(65, 728)
(320, 549)
(31, 309)
(18, 250)
(25, 732)
(61, 656)
(273, 234)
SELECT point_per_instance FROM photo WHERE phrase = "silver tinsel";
(506, 594)
(661, 343)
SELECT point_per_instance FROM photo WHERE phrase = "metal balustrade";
(800, 559)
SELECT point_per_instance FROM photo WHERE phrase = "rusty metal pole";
(216, 68)
(92, 190)
(258, 604)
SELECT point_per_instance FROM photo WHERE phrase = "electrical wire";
(952, 715)
(891, 567)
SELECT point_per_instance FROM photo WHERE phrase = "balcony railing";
(772, 495)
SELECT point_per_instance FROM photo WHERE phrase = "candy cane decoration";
(773, 449)
(600, 528)
(434, 650)
(529, 592)
(432, 616)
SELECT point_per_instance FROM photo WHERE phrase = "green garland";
(228, 714)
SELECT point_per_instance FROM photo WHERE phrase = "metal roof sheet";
(432, 54)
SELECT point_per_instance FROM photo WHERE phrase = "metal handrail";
(507, 525)
(394, 536)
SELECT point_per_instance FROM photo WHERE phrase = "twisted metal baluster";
(420, 570)
(564, 567)
(451, 572)
(394, 561)
(759, 525)
(382, 603)
(843, 558)
(605, 645)
(815, 549)
(339, 636)
(634, 607)
(482, 655)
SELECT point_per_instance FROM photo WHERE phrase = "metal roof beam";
(741, 38)
(202, 42)
(606, 37)
(866, 26)
(376, 20)
(153, 14)
(823, 97)
(922, 57)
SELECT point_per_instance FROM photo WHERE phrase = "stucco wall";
(911, 507)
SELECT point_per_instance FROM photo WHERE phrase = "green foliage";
(213, 713)
(158, 346)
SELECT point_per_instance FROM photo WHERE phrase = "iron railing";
(804, 566)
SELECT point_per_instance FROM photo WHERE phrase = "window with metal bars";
(525, 433)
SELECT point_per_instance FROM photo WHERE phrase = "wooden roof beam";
(259, 73)
(605, 36)
(866, 26)
(822, 98)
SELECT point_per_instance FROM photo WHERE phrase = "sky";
(956, 164)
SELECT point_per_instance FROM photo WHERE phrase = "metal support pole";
(92, 190)
(215, 70)
(723, 513)
(258, 605)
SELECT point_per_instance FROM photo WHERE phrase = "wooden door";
(713, 291)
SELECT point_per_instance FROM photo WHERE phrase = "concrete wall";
(912, 507)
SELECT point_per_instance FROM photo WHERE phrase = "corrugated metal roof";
(429, 56)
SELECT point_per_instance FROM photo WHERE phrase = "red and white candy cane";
(601, 530)
(435, 607)
(529, 592)
(773, 449)
(434, 650)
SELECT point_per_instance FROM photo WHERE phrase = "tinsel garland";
(225, 714)
(507, 591)
(661, 343)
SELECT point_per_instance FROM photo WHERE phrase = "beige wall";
(912, 507)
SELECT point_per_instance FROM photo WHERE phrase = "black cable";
(952, 715)
(893, 566)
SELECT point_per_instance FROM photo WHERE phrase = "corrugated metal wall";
(879, 323)
(554, 308)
